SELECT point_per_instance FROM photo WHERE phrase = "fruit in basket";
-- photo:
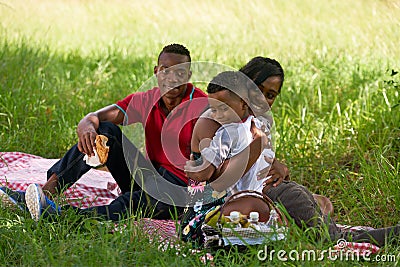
(244, 222)
(211, 218)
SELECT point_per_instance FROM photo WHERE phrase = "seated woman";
(300, 204)
(228, 95)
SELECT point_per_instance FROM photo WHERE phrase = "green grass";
(337, 118)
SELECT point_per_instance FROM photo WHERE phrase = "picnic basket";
(224, 234)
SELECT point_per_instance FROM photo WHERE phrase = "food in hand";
(100, 152)
(102, 148)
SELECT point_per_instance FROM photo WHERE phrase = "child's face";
(227, 107)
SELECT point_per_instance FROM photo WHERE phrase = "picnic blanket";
(97, 187)
(18, 170)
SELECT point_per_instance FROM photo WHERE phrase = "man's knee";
(110, 130)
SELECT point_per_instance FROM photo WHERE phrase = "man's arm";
(87, 127)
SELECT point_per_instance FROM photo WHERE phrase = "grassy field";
(337, 118)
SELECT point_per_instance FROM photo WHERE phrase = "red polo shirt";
(167, 138)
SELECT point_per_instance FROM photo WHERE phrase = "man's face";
(173, 73)
(226, 107)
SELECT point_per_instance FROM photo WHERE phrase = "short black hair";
(175, 49)
(261, 68)
(233, 81)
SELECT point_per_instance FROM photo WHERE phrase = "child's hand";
(278, 173)
(198, 173)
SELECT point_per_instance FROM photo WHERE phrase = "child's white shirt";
(231, 139)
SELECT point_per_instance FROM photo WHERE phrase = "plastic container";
(235, 219)
(253, 220)
(273, 219)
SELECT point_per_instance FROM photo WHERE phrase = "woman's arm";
(278, 173)
(199, 173)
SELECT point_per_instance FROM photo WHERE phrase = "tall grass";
(213, 31)
(337, 117)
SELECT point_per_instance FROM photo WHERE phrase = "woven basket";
(223, 236)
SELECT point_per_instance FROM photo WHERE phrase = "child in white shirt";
(228, 99)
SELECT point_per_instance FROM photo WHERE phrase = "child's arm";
(205, 129)
(213, 153)
(225, 142)
(229, 171)
(203, 132)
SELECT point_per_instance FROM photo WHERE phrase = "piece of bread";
(102, 148)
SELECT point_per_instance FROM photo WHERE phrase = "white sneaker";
(38, 203)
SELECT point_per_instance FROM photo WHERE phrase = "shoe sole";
(7, 202)
(32, 198)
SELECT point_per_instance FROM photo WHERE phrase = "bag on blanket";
(208, 228)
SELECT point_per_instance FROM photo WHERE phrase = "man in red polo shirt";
(168, 114)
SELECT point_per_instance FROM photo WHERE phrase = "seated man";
(167, 114)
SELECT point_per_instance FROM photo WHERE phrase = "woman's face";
(261, 100)
(270, 88)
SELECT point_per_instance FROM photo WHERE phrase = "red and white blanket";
(18, 170)
(95, 188)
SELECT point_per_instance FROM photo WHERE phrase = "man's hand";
(87, 127)
(278, 173)
(87, 135)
